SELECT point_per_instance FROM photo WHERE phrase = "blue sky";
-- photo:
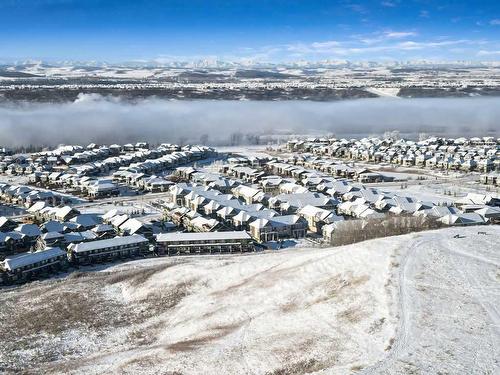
(258, 30)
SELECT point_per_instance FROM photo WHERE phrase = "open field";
(422, 303)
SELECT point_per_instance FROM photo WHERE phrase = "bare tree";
(361, 230)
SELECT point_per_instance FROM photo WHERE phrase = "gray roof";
(52, 235)
(206, 236)
(73, 237)
(14, 235)
(30, 230)
(53, 226)
(102, 244)
(85, 220)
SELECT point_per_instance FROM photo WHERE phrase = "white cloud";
(327, 44)
(358, 8)
(488, 53)
(380, 37)
(424, 14)
(410, 45)
(495, 22)
(419, 45)
(381, 44)
(399, 34)
(388, 4)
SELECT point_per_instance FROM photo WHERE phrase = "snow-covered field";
(438, 191)
(389, 92)
(449, 305)
(424, 303)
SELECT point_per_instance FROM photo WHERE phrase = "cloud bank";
(93, 118)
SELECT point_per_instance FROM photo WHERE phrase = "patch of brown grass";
(376, 326)
(161, 300)
(136, 276)
(137, 365)
(357, 368)
(144, 335)
(391, 343)
(214, 334)
(289, 306)
(55, 307)
(305, 366)
(339, 286)
(62, 310)
(230, 289)
(352, 314)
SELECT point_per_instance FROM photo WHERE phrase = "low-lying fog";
(93, 118)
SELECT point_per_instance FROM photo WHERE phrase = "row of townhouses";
(474, 154)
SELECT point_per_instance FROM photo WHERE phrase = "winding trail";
(448, 303)
(404, 306)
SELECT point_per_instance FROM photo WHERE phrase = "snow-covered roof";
(21, 260)
(119, 220)
(205, 236)
(131, 226)
(489, 212)
(74, 237)
(62, 212)
(103, 244)
(463, 219)
(312, 211)
(103, 228)
(328, 229)
(110, 214)
(37, 206)
(5, 220)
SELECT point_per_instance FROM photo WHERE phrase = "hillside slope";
(424, 302)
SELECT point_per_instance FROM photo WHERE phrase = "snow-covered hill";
(424, 303)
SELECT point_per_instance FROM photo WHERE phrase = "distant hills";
(326, 80)
(246, 64)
